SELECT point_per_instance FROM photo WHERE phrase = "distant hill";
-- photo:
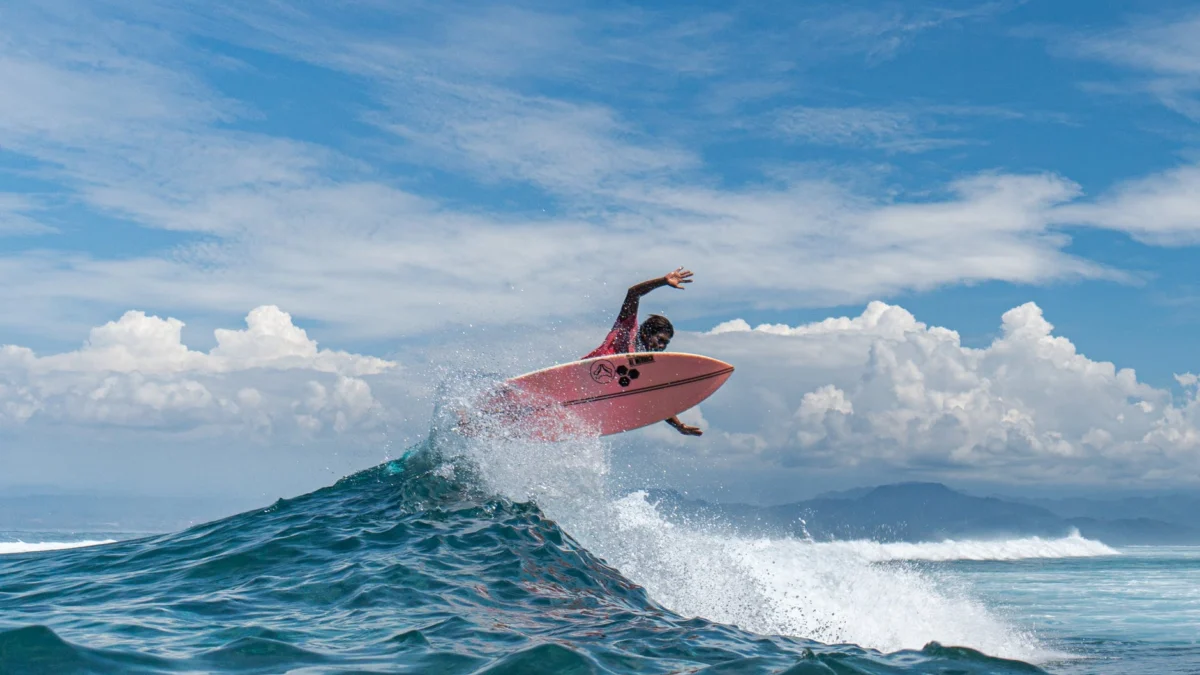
(925, 512)
(1178, 508)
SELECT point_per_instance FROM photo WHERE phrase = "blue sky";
(398, 175)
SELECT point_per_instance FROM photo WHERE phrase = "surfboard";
(603, 395)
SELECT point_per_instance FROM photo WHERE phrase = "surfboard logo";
(603, 372)
(626, 375)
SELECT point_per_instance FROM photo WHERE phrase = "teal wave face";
(403, 568)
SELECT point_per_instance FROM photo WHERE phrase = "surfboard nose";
(712, 363)
(725, 372)
(713, 372)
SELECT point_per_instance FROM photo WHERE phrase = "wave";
(789, 586)
(769, 586)
(496, 556)
(1026, 548)
(7, 547)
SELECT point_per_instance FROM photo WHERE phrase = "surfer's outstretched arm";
(674, 279)
(684, 429)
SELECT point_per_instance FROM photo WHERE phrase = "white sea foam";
(28, 547)
(1071, 546)
(834, 593)
(789, 586)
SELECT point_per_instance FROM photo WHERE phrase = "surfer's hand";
(685, 429)
(679, 277)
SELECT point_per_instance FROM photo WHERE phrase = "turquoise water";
(508, 558)
(1137, 612)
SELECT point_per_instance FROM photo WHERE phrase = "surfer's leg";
(464, 423)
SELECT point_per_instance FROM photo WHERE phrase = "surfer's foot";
(464, 424)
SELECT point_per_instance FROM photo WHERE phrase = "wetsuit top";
(620, 340)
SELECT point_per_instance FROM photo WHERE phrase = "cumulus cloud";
(869, 394)
(136, 372)
(149, 344)
(884, 389)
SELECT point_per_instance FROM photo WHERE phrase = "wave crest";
(1073, 545)
(7, 547)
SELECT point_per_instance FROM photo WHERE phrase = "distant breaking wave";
(1071, 546)
(28, 547)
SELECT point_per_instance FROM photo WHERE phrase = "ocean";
(504, 557)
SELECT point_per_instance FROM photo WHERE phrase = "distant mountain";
(1177, 508)
(922, 512)
(852, 493)
(1136, 531)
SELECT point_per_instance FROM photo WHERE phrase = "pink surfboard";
(604, 395)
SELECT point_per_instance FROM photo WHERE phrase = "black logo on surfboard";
(603, 372)
(626, 375)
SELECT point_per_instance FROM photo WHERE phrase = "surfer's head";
(656, 333)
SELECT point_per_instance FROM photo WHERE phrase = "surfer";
(653, 335)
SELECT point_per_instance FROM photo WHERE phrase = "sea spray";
(834, 593)
(505, 463)
(792, 587)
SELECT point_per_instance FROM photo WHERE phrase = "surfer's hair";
(657, 322)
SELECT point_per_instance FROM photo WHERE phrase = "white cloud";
(819, 411)
(879, 393)
(1165, 51)
(15, 218)
(300, 225)
(136, 372)
(320, 249)
(890, 130)
(884, 390)
(562, 147)
(881, 33)
(152, 345)
(897, 128)
(775, 244)
(1162, 209)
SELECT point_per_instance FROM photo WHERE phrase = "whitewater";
(19, 546)
(498, 556)
(830, 592)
